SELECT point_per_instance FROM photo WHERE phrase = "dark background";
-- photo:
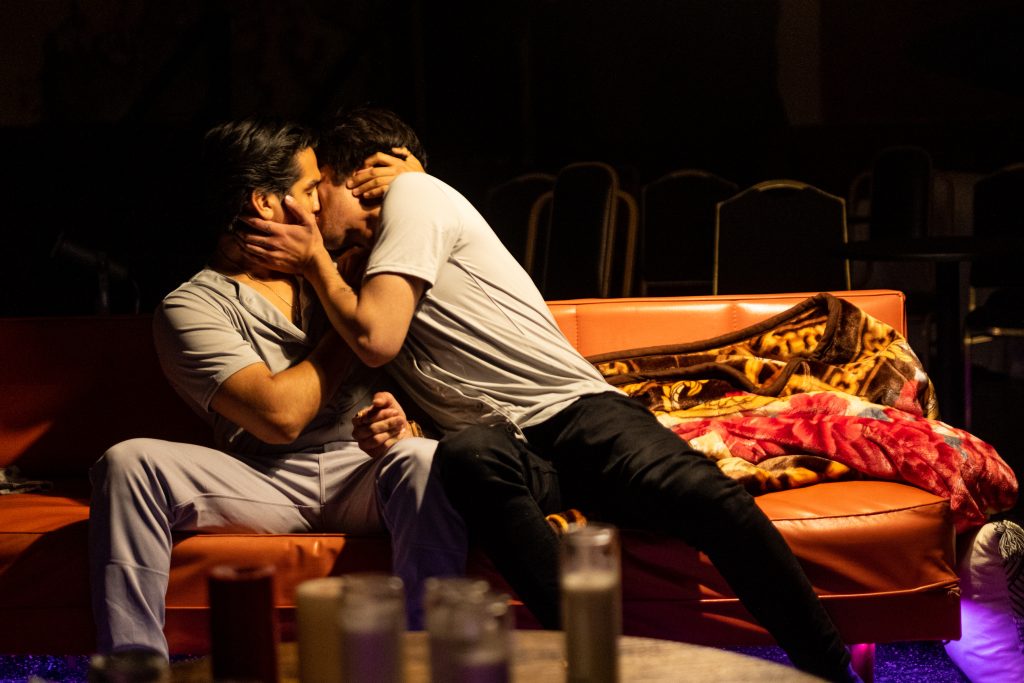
(104, 101)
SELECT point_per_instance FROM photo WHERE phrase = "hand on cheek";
(285, 247)
(379, 171)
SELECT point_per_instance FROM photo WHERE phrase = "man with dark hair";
(254, 154)
(531, 427)
(362, 129)
(305, 438)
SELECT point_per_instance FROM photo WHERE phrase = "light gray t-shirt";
(212, 326)
(483, 346)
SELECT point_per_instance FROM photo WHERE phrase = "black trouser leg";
(503, 492)
(615, 456)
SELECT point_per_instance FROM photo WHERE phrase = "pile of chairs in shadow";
(574, 232)
(580, 234)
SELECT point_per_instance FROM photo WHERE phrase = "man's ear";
(264, 203)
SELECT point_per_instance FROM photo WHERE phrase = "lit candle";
(243, 624)
(591, 604)
(469, 629)
(317, 602)
(371, 655)
(371, 621)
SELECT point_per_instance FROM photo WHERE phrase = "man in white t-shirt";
(531, 427)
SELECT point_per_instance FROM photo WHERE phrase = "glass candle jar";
(591, 586)
(243, 624)
(371, 624)
(317, 603)
(469, 630)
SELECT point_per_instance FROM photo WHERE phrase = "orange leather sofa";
(881, 554)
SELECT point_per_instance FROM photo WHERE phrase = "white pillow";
(991, 648)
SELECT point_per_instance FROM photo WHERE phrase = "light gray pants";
(145, 489)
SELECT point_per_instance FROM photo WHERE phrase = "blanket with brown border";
(820, 392)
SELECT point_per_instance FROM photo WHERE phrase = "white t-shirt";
(483, 346)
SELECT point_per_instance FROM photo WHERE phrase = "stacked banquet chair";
(508, 208)
(675, 253)
(780, 236)
(586, 247)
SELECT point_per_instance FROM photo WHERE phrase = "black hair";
(240, 157)
(352, 135)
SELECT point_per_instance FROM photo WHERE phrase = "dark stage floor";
(894, 663)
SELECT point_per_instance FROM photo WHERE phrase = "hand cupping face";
(283, 247)
(379, 170)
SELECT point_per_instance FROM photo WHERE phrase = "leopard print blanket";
(820, 392)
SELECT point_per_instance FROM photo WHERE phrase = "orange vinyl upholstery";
(601, 325)
(880, 553)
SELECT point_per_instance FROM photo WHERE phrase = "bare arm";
(275, 408)
(374, 322)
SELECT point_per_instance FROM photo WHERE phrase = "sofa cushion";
(852, 539)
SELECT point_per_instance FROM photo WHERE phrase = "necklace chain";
(254, 279)
(286, 302)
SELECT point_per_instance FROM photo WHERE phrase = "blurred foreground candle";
(469, 629)
(371, 621)
(243, 625)
(317, 603)
(591, 586)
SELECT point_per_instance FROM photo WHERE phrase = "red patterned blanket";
(818, 393)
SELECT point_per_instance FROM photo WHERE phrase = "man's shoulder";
(207, 284)
(421, 185)
(414, 179)
(207, 292)
(418, 198)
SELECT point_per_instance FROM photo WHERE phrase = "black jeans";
(608, 456)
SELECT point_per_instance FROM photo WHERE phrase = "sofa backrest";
(602, 325)
(72, 387)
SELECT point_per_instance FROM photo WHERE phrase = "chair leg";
(862, 656)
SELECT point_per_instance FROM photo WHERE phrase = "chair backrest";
(676, 249)
(999, 212)
(575, 256)
(780, 236)
(901, 187)
(507, 208)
